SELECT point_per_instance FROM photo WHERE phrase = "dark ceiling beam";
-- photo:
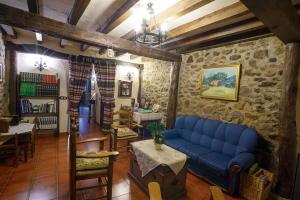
(239, 28)
(29, 21)
(33, 6)
(172, 13)
(120, 15)
(77, 11)
(280, 16)
(233, 39)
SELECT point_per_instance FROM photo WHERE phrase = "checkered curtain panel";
(80, 73)
(106, 72)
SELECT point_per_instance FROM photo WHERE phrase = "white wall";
(25, 63)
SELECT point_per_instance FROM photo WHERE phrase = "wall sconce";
(130, 75)
(40, 64)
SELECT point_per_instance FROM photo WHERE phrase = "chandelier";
(40, 65)
(147, 32)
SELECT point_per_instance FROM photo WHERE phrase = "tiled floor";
(46, 176)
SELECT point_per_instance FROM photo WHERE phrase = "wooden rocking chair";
(90, 165)
(122, 130)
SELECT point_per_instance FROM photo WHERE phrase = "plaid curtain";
(106, 72)
(80, 73)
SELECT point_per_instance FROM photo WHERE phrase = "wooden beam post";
(12, 85)
(172, 103)
(288, 132)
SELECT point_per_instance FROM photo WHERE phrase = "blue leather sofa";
(217, 151)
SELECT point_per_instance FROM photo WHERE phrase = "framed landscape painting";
(220, 82)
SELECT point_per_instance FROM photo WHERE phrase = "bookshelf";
(38, 97)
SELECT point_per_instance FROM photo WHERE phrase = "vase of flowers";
(156, 131)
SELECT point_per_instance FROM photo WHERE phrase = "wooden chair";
(216, 193)
(9, 146)
(90, 165)
(154, 191)
(122, 130)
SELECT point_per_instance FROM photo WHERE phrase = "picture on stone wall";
(220, 82)
(1, 72)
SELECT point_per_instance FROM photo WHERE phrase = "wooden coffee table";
(172, 185)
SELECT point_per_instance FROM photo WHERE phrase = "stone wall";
(259, 95)
(156, 82)
(4, 83)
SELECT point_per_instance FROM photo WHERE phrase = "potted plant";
(156, 132)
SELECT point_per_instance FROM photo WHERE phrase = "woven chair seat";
(91, 163)
(126, 133)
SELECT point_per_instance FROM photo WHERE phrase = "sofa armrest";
(170, 134)
(243, 160)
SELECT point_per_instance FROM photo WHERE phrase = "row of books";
(27, 107)
(47, 122)
(34, 89)
(37, 78)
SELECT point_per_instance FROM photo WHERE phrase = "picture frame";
(125, 88)
(1, 72)
(220, 82)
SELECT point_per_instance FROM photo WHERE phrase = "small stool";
(154, 191)
(216, 193)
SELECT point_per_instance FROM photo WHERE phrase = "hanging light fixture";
(40, 64)
(147, 32)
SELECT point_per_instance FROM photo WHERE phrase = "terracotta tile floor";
(46, 176)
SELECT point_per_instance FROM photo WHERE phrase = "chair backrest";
(72, 147)
(4, 124)
(154, 191)
(228, 139)
(122, 119)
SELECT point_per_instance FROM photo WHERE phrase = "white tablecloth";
(19, 129)
(149, 158)
(139, 117)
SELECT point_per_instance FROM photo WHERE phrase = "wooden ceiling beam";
(233, 39)
(120, 15)
(77, 11)
(280, 16)
(179, 9)
(33, 6)
(225, 16)
(29, 21)
(221, 33)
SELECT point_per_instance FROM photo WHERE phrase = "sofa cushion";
(177, 142)
(193, 151)
(215, 161)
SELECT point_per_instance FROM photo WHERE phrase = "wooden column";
(288, 133)
(141, 68)
(12, 61)
(172, 104)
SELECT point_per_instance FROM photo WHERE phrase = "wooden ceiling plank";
(172, 13)
(120, 15)
(205, 27)
(208, 22)
(252, 25)
(29, 21)
(234, 39)
(286, 24)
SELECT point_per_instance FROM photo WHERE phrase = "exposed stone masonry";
(4, 82)
(260, 88)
